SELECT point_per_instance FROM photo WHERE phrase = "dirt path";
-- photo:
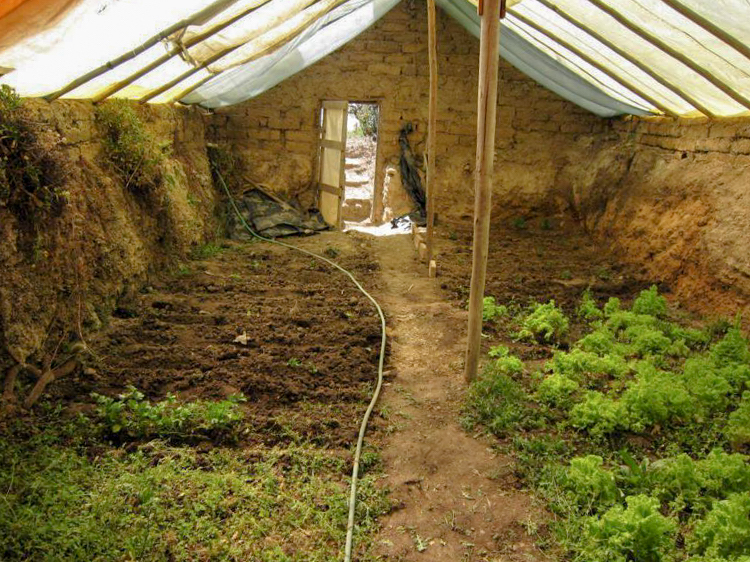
(455, 495)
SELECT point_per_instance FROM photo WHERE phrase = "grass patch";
(636, 435)
(68, 494)
(206, 251)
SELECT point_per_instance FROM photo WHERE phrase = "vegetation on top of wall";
(636, 435)
(133, 152)
(33, 168)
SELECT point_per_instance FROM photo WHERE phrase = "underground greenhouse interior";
(375, 280)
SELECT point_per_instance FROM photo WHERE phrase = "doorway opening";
(361, 158)
(348, 149)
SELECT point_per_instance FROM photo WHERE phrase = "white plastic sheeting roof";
(681, 57)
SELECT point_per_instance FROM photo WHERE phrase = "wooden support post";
(432, 126)
(486, 116)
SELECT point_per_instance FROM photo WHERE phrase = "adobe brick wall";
(669, 196)
(537, 131)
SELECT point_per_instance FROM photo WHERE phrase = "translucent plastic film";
(684, 57)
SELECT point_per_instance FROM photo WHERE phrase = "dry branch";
(47, 377)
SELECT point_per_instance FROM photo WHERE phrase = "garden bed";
(626, 415)
(214, 419)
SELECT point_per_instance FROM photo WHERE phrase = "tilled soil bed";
(310, 357)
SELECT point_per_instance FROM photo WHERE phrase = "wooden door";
(331, 166)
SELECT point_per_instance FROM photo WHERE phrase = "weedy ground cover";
(129, 482)
(635, 434)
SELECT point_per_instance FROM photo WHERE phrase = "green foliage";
(497, 401)
(131, 149)
(647, 341)
(611, 306)
(498, 351)
(654, 397)
(66, 502)
(519, 223)
(694, 339)
(545, 323)
(556, 390)
(725, 532)
(650, 302)
(695, 484)
(602, 342)
(367, 116)
(588, 309)
(33, 168)
(583, 365)
(635, 372)
(637, 533)
(621, 320)
(731, 349)
(597, 414)
(491, 310)
(590, 486)
(703, 381)
(132, 416)
(206, 251)
(738, 427)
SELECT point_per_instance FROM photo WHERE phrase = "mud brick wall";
(64, 273)
(673, 196)
(537, 131)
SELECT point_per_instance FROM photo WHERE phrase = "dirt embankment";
(671, 198)
(64, 271)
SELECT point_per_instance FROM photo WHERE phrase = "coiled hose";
(381, 359)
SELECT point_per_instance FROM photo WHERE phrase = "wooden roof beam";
(627, 84)
(671, 86)
(323, 7)
(209, 11)
(114, 88)
(709, 26)
(674, 53)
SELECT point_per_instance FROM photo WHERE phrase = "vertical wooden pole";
(432, 126)
(486, 115)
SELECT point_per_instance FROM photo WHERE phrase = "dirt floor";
(312, 340)
(309, 364)
(457, 497)
(453, 501)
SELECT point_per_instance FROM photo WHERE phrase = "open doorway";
(361, 156)
(348, 148)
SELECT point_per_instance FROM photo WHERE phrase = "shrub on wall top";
(131, 149)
